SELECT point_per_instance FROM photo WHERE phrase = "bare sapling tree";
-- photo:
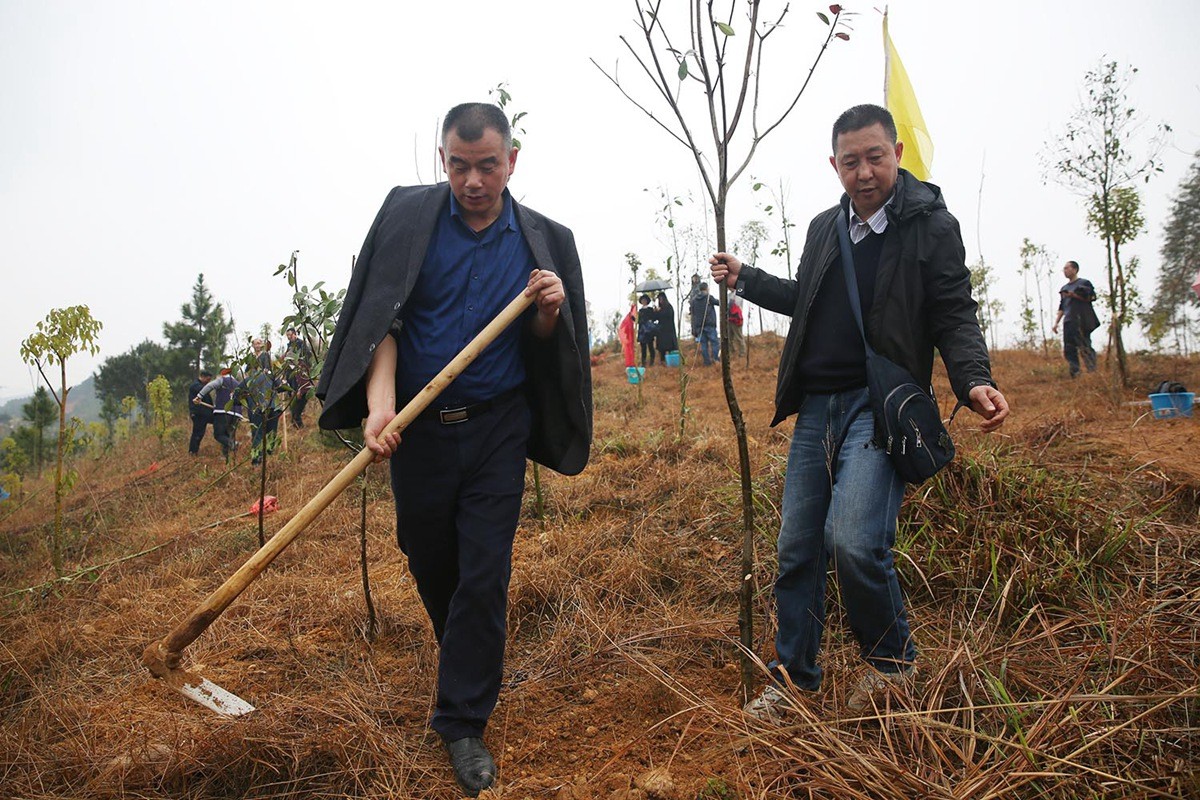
(782, 248)
(1119, 221)
(503, 98)
(635, 265)
(704, 53)
(983, 278)
(750, 239)
(1036, 263)
(1095, 159)
(666, 216)
(63, 333)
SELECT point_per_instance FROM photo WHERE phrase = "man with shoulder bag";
(856, 363)
(1077, 314)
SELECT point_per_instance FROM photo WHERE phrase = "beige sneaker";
(875, 684)
(770, 706)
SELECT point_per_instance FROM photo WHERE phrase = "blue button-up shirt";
(467, 278)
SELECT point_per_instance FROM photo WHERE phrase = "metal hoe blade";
(208, 694)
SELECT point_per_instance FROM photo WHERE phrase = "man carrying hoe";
(841, 496)
(438, 264)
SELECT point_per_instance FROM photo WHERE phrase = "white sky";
(144, 142)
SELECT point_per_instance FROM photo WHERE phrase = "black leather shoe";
(473, 765)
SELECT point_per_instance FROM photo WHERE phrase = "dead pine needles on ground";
(1053, 574)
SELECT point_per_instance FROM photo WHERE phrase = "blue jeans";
(841, 499)
(710, 345)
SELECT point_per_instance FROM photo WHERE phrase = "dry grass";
(1053, 574)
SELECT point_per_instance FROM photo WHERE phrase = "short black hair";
(864, 116)
(205, 373)
(470, 120)
(1074, 264)
(644, 298)
(704, 285)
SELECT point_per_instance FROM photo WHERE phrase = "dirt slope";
(1052, 573)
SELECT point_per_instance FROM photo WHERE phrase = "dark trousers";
(299, 402)
(648, 352)
(1076, 343)
(458, 497)
(224, 426)
(199, 426)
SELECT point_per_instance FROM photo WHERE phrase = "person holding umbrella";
(647, 324)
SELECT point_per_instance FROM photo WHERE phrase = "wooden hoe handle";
(164, 655)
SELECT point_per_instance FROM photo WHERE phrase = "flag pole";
(887, 57)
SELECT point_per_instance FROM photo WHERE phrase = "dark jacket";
(559, 384)
(922, 294)
(647, 322)
(704, 309)
(665, 333)
(198, 410)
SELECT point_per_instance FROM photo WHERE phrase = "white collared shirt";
(878, 222)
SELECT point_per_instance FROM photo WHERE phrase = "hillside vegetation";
(1052, 571)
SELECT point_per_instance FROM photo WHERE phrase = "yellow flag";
(900, 99)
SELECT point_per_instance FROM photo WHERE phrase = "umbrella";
(655, 285)
(1196, 282)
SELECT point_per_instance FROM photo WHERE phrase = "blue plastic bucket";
(635, 374)
(673, 358)
(1172, 404)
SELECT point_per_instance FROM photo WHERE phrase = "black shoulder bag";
(908, 423)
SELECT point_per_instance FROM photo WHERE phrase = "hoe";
(164, 657)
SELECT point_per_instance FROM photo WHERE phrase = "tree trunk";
(262, 483)
(371, 632)
(539, 500)
(1122, 302)
(683, 384)
(1114, 331)
(56, 554)
(746, 588)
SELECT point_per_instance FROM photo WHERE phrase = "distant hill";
(81, 402)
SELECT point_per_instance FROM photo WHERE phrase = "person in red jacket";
(737, 342)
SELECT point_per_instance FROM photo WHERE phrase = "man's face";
(867, 163)
(1070, 271)
(478, 172)
(256, 345)
(291, 336)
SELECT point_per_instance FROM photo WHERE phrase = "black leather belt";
(453, 416)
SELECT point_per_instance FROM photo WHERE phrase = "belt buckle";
(453, 416)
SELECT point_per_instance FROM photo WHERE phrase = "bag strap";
(851, 277)
(843, 226)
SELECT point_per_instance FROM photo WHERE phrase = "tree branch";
(38, 363)
(824, 46)
(640, 107)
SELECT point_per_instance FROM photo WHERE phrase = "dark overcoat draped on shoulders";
(559, 381)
